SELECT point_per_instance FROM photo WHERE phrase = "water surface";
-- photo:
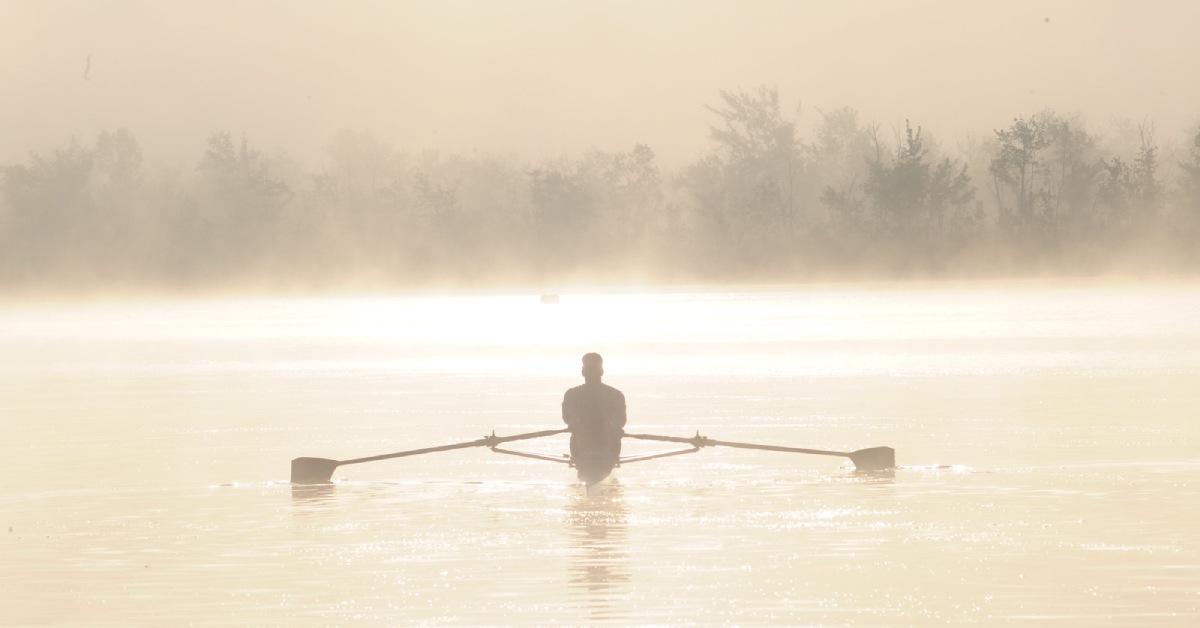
(1047, 436)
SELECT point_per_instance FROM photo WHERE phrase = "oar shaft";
(704, 441)
(796, 450)
(413, 452)
(487, 441)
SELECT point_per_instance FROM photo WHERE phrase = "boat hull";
(593, 467)
(595, 453)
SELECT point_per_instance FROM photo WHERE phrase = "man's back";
(594, 407)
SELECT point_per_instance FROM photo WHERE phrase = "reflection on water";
(881, 476)
(596, 517)
(311, 495)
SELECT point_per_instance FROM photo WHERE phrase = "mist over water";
(1045, 435)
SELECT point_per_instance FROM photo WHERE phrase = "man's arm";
(568, 410)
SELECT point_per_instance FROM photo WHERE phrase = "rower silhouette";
(595, 415)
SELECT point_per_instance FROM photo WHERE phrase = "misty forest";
(767, 202)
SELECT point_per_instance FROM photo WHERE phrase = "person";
(595, 415)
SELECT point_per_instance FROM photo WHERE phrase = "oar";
(872, 459)
(320, 470)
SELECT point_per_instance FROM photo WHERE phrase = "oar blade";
(874, 459)
(313, 470)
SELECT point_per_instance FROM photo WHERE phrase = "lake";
(1046, 433)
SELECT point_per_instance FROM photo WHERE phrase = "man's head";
(593, 366)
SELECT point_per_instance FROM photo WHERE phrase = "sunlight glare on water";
(1046, 435)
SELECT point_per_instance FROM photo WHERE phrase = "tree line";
(1043, 195)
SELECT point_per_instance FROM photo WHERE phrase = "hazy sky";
(548, 78)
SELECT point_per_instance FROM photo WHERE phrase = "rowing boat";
(592, 466)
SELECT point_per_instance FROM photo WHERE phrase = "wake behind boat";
(592, 465)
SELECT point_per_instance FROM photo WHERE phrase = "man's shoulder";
(612, 392)
(602, 389)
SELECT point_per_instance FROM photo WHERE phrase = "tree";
(1129, 193)
(628, 189)
(49, 204)
(1187, 197)
(122, 228)
(1189, 182)
(359, 212)
(1019, 173)
(1071, 168)
(913, 199)
(841, 159)
(750, 190)
(1147, 189)
(50, 190)
(564, 217)
(953, 210)
(899, 187)
(78, 212)
(239, 208)
(493, 236)
(595, 211)
(118, 161)
(240, 178)
(361, 174)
